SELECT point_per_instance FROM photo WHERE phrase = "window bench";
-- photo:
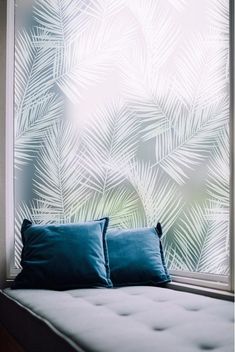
(128, 319)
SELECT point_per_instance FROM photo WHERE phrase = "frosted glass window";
(122, 110)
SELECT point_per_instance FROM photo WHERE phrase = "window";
(122, 108)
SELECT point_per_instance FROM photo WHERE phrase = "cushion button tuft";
(158, 328)
(192, 309)
(206, 347)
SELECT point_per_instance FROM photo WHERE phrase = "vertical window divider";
(9, 150)
(232, 146)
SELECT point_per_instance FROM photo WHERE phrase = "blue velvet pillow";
(136, 257)
(64, 256)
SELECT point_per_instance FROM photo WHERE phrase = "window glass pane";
(122, 109)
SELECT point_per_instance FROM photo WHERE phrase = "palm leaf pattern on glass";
(122, 110)
(59, 182)
(37, 106)
(201, 241)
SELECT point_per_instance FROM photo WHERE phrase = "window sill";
(205, 291)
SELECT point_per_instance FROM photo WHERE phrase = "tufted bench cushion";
(128, 319)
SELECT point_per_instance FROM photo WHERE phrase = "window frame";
(218, 282)
(9, 148)
(232, 147)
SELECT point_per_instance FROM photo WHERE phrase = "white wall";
(2, 139)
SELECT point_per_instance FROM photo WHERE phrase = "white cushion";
(134, 319)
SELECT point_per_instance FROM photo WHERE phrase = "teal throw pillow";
(136, 257)
(64, 256)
